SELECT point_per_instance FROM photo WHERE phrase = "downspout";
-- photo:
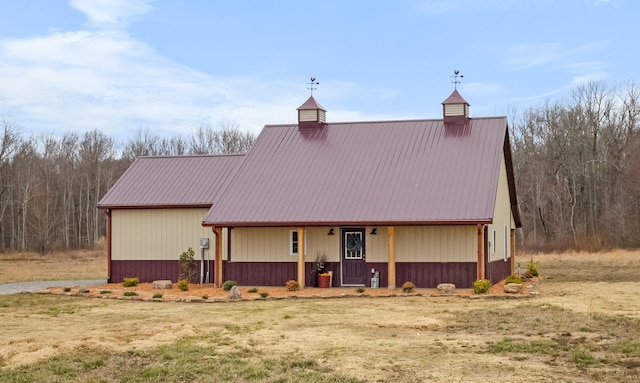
(108, 213)
(201, 264)
(513, 251)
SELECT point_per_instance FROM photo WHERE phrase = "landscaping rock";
(163, 284)
(234, 293)
(512, 288)
(446, 288)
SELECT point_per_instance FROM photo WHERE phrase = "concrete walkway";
(25, 287)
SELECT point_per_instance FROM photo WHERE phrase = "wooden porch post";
(217, 275)
(391, 268)
(513, 251)
(480, 271)
(108, 213)
(301, 257)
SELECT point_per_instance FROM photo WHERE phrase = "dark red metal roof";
(387, 172)
(311, 103)
(455, 98)
(166, 181)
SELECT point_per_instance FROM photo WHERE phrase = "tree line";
(577, 169)
(576, 164)
(50, 186)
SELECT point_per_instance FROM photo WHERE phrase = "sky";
(171, 66)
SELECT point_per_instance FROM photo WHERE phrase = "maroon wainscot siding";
(149, 271)
(422, 274)
(498, 270)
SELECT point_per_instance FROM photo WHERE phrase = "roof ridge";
(382, 121)
(171, 156)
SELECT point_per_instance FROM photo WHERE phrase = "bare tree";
(575, 165)
(144, 143)
(95, 149)
(9, 144)
(227, 139)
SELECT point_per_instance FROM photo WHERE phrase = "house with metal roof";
(428, 201)
(155, 212)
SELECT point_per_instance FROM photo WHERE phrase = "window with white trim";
(506, 243)
(293, 242)
(493, 243)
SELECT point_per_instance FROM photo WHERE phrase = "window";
(506, 243)
(493, 243)
(293, 242)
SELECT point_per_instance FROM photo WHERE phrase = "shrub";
(513, 279)
(264, 294)
(292, 285)
(129, 282)
(532, 268)
(183, 285)
(408, 287)
(253, 290)
(105, 291)
(130, 294)
(156, 296)
(67, 289)
(481, 286)
(227, 285)
(188, 267)
(205, 297)
(360, 290)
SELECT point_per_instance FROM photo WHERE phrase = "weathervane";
(311, 85)
(455, 82)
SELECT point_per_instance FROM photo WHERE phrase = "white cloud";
(525, 56)
(104, 79)
(111, 13)
(589, 77)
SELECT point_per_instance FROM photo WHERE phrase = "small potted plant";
(324, 280)
(319, 267)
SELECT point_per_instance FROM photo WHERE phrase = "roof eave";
(157, 206)
(513, 195)
(485, 221)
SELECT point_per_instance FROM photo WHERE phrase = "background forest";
(576, 163)
(50, 186)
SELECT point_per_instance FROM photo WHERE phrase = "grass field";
(583, 327)
(76, 264)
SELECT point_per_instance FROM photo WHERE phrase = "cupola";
(311, 115)
(455, 109)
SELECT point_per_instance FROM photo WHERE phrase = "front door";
(353, 257)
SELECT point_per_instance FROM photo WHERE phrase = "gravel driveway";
(25, 287)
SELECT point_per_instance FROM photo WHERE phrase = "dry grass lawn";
(71, 265)
(583, 327)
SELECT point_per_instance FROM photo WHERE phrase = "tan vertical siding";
(501, 217)
(319, 242)
(158, 234)
(413, 244)
(436, 244)
(377, 246)
(273, 244)
(261, 245)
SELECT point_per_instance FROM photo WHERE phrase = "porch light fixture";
(330, 232)
(374, 231)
